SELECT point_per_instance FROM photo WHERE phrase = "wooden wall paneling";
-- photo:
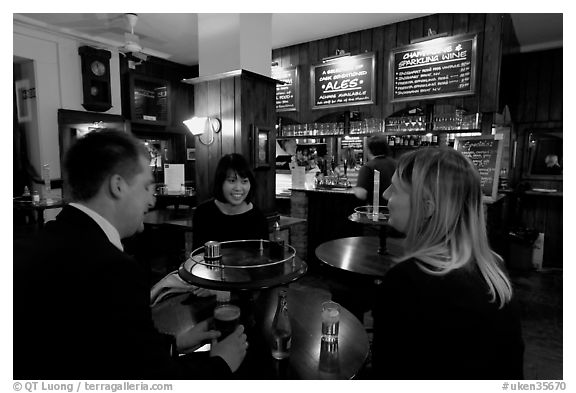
(240, 122)
(531, 88)
(380, 77)
(508, 86)
(293, 56)
(389, 44)
(366, 41)
(354, 42)
(476, 25)
(544, 84)
(304, 76)
(332, 45)
(313, 57)
(521, 73)
(276, 56)
(492, 57)
(459, 24)
(417, 28)
(445, 23)
(285, 57)
(323, 51)
(344, 43)
(556, 97)
(430, 22)
(228, 107)
(215, 150)
(202, 178)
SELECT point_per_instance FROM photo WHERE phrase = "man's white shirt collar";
(109, 230)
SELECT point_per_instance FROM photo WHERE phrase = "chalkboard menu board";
(287, 93)
(485, 152)
(343, 81)
(442, 67)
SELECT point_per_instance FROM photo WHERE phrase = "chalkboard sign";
(287, 93)
(485, 152)
(442, 67)
(343, 81)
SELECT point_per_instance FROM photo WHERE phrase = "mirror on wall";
(545, 157)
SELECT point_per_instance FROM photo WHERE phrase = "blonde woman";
(444, 310)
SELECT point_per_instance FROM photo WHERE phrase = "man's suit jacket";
(82, 310)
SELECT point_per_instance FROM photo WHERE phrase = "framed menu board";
(287, 93)
(485, 152)
(343, 81)
(442, 67)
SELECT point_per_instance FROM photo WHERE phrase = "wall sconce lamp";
(204, 128)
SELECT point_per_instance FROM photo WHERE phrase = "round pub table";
(357, 255)
(244, 265)
(365, 215)
(310, 357)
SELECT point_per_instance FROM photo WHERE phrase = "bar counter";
(326, 212)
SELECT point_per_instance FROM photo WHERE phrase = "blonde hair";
(446, 229)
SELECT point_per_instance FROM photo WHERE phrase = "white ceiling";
(174, 36)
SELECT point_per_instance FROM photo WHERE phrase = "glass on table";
(226, 319)
(330, 321)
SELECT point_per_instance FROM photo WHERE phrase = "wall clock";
(96, 88)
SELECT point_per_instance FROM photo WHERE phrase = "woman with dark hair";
(231, 215)
(444, 311)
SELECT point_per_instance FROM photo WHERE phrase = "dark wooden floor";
(539, 294)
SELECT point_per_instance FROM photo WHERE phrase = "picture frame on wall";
(23, 107)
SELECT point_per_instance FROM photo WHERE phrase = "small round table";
(357, 255)
(363, 215)
(244, 265)
(310, 357)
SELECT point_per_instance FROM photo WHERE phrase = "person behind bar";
(379, 158)
(230, 215)
(444, 310)
(81, 304)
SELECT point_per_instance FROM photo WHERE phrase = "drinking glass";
(330, 321)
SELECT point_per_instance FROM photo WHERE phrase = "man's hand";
(232, 349)
(189, 340)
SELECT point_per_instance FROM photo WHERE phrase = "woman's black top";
(209, 223)
(443, 327)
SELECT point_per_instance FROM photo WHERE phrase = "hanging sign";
(287, 93)
(442, 67)
(344, 81)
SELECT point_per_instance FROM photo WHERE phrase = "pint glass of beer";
(226, 318)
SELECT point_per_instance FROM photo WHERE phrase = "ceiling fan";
(132, 47)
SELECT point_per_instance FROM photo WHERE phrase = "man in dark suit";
(82, 305)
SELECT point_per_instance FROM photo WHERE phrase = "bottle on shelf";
(26, 192)
(35, 197)
(281, 328)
